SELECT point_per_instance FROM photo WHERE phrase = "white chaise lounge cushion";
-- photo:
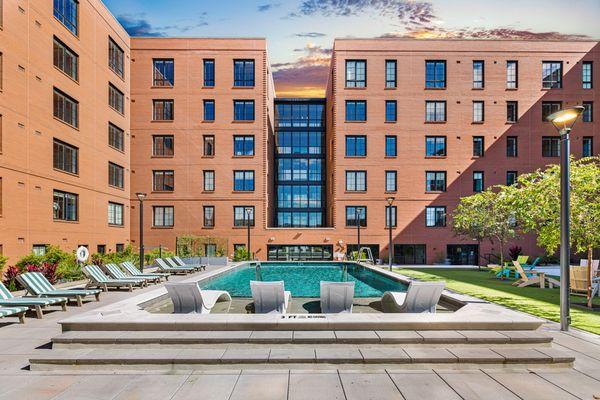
(336, 297)
(270, 297)
(188, 298)
(420, 297)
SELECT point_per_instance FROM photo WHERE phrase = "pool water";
(303, 279)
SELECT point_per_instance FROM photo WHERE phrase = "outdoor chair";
(98, 279)
(180, 263)
(595, 263)
(270, 297)
(187, 298)
(136, 273)
(531, 266)
(532, 277)
(163, 266)
(336, 297)
(7, 299)
(37, 285)
(115, 272)
(579, 281)
(420, 297)
(18, 311)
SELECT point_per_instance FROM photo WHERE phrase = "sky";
(300, 33)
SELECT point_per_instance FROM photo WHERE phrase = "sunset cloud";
(306, 76)
(434, 32)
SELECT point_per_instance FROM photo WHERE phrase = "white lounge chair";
(188, 298)
(336, 297)
(270, 297)
(420, 297)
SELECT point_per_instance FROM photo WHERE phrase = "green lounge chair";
(133, 271)
(37, 284)
(18, 311)
(171, 263)
(115, 272)
(164, 267)
(7, 299)
(181, 263)
(100, 280)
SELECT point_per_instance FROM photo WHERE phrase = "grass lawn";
(543, 303)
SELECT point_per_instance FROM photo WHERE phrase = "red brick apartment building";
(423, 121)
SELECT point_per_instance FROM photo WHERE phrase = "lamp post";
(248, 211)
(141, 196)
(390, 200)
(357, 212)
(563, 121)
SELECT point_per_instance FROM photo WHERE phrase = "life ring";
(82, 254)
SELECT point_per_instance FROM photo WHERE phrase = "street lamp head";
(390, 200)
(563, 120)
(141, 196)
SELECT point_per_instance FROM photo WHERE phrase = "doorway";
(463, 254)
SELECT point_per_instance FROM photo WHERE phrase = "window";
(435, 146)
(511, 177)
(552, 74)
(299, 115)
(435, 74)
(478, 146)
(67, 12)
(101, 249)
(586, 74)
(588, 146)
(163, 72)
(116, 99)
(243, 215)
(550, 146)
(163, 181)
(243, 145)
(435, 181)
(550, 107)
(299, 169)
(391, 148)
(356, 110)
(390, 73)
(209, 145)
(39, 249)
(390, 111)
(115, 213)
(435, 216)
(209, 216)
(354, 213)
(243, 181)
(478, 111)
(478, 181)
(588, 111)
(356, 146)
(356, 181)
(243, 72)
(512, 111)
(356, 73)
(65, 157)
(209, 110)
(115, 175)
(390, 181)
(243, 110)
(163, 110)
(66, 108)
(209, 72)
(390, 211)
(478, 73)
(66, 59)
(163, 145)
(512, 74)
(209, 181)
(65, 206)
(116, 137)
(119, 247)
(512, 146)
(115, 58)
(163, 216)
(435, 111)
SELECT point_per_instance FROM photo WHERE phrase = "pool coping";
(473, 314)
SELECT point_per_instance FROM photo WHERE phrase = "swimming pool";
(302, 279)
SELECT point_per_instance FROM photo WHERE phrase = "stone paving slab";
(431, 355)
(399, 336)
(315, 386)
(339, 355)
(522, 355)
(314, 336)
(476, 355)
(378, 355)
(252, 355)
(529, 386)
(443, 336)
(271, 336)
(376, 386)
(356, 337)
(419, 386)
(475, 385)
(301, 355)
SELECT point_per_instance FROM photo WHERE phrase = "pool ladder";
(257, 274)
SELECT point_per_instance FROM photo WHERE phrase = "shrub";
(30, 259)
(47, 269)
(69, 271)
(156, 253)
(10, 278)
(514, 252)
(240, 254)
(3, 260)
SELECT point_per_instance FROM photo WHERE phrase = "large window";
(66, 108)
(243, 215)
(67, 12)
(391, 146)
(478, 181)
(243, 145)
(163, 216)
(209, 110)
(356, 214)
(209, 72)
(243, 72)
(435, 216)
(587, 146)
(66, 59)
(435, 181)
(299, 196)
(550, 107)
(116, 99)
(163, 181)
(115, 214)
(390, 74)
(588, 111)
(209, 181)
(478, 111)
(356, 146)
(356, 73)
(435, 111)
(311, 219)
(356, 181)
(116, 137)
(163, 72)
(299, 115)
(390, 111)
(512, 146)
(512, 74)
(478, 146)
(550, 146)
(163, 110)
(390, 212)
(209, 216)
(65, 206)
(208, 145)
(115, 58)
(299, 169)
(163, 145)
(65, 157)
(435, 146)
(390, 181)
(478, 74)
(243, 110)
(356, 110)
(551, 74)
(587, 75)
(116, 175)
(512, 111)
(435, 74)
(299, 142)
(243, 181)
